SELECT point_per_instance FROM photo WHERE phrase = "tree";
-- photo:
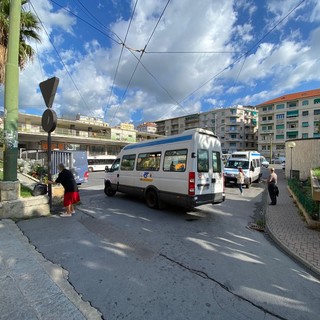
(29, 27)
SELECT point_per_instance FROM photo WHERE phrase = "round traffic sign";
(49, 120)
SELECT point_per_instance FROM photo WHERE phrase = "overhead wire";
(61, 60)
(117, 68)
(91, 25)
(246, 53)
(141, 50)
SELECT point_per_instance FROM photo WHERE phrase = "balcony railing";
(73, 133)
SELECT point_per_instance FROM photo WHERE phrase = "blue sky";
(199, 55)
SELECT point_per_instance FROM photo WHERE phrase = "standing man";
(272, 186)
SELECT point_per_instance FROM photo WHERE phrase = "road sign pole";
(49, 170)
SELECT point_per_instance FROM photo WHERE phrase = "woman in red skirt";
(71, 191)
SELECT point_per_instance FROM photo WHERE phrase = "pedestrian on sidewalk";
(240, 180)
(272, 186)
(71, 191)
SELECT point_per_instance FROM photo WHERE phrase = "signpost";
(49, 120)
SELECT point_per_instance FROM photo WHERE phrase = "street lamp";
(270, 149)
(291, 145)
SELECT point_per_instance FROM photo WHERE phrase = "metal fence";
(302, 191)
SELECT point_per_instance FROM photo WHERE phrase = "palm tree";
(29, 25)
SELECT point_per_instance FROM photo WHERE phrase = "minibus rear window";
(203, 160)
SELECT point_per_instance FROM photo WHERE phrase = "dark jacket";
(67, 180)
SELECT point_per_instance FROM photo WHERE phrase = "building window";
(279, 137)
(269, 128)
(292, 135)
(292, 104)
(280, 126)
(280, 106)
(264, 118)
(316, 112)
(305, 113)
(270, 118)
(291, 114)
(316, 135)
(270, 108)
(233, 144)
(305, 102)
(316, 101)
(305, 124)
(280, 116)
(291, 125)
(304, 136)
(264, 109)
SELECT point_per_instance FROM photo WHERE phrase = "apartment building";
(84, 133)
(150, 127)
(291, 116)
(235, 126)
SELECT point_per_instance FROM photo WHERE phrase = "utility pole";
(11, 94)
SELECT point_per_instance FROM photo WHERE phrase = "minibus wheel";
(152, 199)
(109, 191)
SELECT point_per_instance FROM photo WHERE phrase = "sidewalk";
(288, 229)
(31, 286)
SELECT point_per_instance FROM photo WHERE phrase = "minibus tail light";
(191, 184)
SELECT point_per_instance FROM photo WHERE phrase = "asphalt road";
(132, 262)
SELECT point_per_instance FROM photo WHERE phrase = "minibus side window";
(216, 161)
(127, 162)
(149, 161)
(175, 160)
(203, 160)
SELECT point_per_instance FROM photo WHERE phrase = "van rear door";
(217, 184)
(209, 177)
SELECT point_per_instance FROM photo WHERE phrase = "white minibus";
(185, 170)
(250, 163)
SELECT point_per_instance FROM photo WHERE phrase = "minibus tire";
(152, 199)
(109, 191)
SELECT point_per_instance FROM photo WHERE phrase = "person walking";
(71, 191)
(240, 180)
(272, 186)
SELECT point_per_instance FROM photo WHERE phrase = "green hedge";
(304, 194)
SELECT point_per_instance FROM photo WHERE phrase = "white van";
(184, 169)
(250, 163)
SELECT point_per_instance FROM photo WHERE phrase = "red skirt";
(71, 198)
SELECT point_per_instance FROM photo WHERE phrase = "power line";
(141, 51)
(246, 54)
(105, 34)
(115, 75)
(65, 67)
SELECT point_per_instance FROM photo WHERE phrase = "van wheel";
(152, 199)
(109, 191)
(90, 169)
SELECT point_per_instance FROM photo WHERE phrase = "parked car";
(265, 163)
